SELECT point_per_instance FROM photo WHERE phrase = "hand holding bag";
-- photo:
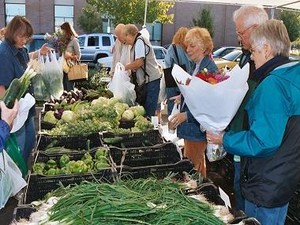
(78, 72)
(121, 86)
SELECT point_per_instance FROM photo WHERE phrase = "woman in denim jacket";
(199, 47)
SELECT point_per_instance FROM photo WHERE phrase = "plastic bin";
(72, 142)
(39, 185)
(166, 153)
(131, 140)
(177, 169)
(23, 212)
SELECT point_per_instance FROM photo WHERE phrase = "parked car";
(95, 46)
(159, 51)
(36, 42)
(229, 60)
(220, 52)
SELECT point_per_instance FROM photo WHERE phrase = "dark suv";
(36, 42)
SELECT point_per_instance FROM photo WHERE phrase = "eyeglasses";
(242, 33)
(27, 39)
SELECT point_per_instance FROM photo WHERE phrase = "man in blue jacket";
(7, 118)
(270, 145)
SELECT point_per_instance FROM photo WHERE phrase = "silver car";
(159, 51)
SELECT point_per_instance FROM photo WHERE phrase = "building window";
(63, 13)
(12, 10)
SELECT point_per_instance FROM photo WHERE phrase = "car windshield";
(232, 56)
(218, 51)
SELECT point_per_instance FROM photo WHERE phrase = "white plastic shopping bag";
(52, 75)
(25, 105)
(121, 86)
(213, 105)
(11, 181)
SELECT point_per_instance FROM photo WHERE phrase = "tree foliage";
(205, 20)
(292, 22)
(90, 20)
(132, 11)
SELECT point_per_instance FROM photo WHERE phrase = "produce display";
(102, 114)
(122, 171)
(141, 201)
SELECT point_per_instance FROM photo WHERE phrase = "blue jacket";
(271, 146)
(4, 133)
(190, 129)
(183, 58)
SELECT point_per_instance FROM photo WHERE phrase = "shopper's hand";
(178, 119)
(214, 138)
(44, 50)
(176, 99)
(8, 115)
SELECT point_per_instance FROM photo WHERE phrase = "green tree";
(205, 20)
(90, 20)
(292, 22)
(132, 11)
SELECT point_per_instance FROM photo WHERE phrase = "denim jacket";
(190, 129)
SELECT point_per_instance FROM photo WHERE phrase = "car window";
(159, 54)
(93, 41)
(106, 41)
(232, 56)
(81, 41)
(218, 52)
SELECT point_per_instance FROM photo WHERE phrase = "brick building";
(46, 14)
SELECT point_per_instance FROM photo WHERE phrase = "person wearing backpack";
(145, 72)
(270, 145)
(176, 54)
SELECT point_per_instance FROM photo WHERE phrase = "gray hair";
(250, 15)
(274, 33)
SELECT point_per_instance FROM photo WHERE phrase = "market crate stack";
(41, 182)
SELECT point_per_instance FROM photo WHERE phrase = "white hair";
(250, 15)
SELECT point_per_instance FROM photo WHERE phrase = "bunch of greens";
(143, 201)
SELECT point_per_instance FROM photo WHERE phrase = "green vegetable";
(63, 160)
(127, 115)
(12, 93)
(100, 165)
(86, 155)
(51, 164)
(112, 141)
(89, 163)
(38, 166)
(68, 116)
(18, 87)
(50, 118)
(100, 153)
(143, 201)
(51, 171)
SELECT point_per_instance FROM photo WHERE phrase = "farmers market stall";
(104, 150)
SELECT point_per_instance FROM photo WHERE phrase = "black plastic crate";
(71, 142)
(209, 190)
(166, 153)
(39, 185)
(23, 212)
(131, 140)
(41, 156)
(126, 124)
(178, 170)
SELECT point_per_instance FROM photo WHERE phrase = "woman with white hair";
(270, 146)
